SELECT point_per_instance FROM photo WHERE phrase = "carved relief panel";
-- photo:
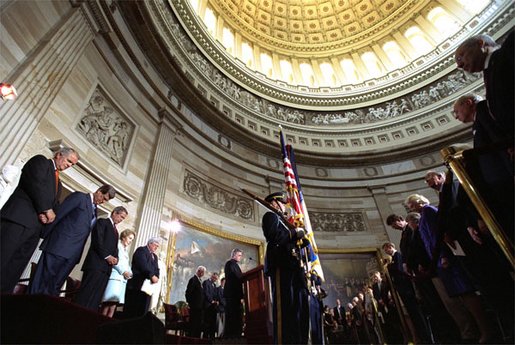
(215, 197)
(338, 222)
(105, 127)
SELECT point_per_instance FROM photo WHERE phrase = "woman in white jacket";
(114, 294)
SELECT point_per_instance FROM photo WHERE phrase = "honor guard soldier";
(283, 266)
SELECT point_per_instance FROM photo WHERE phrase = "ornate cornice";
(419, 72)
(217, 198)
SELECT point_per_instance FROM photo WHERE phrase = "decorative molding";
(214, 231)
(262, 107)
(99, 17)
(215, 197)
(419, 71)
(338, 222)
(105, 127)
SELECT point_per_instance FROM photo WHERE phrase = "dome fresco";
(330, 43)
(377, 91)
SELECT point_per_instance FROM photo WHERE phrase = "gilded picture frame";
(196, 244)
(346, 271)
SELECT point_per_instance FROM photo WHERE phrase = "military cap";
(279, 196)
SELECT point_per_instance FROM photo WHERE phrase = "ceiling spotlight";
(7, 92)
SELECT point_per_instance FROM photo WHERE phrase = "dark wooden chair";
(173, 319)
(72, 287)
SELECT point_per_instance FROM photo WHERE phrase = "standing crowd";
(33, 212)
(448, 276)
(216, 311)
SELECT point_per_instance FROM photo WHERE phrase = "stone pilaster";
(152, 201)
(42, 74)
(384, 208)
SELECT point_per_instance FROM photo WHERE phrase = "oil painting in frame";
(346, 271)
(194, 245)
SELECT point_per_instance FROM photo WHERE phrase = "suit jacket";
(381, 292)
(339, 314)
(210, 293)
(417, 254)
(194, 294)
(279, 246)
(404, 245)
(104, 242)
(144, 266)
(220, 298)
(36, 192)
(496, 166)
(499, 83)
(67, 235)
(233, 284)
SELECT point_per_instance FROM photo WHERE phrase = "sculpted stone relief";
(217, 198)
(337, 222)
(394, 108)
(106, 128)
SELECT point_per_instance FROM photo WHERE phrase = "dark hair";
(393, 218)
(107, 189)
(120, 209)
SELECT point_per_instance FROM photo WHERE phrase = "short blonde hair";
(417, 198)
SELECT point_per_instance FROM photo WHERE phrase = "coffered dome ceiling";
(318, 26)
(343, 77)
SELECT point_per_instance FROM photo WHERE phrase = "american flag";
(297, 210)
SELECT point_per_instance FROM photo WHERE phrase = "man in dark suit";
(403, 285)
(398, 223)
(233, 294)
(211, 301)
(144, 266)
(339, 312)
(482, 53)
(102, 256)
(65, 238)
(30, 207)
(288, 281)
(494, 178)
(221, 308)
(194, 297)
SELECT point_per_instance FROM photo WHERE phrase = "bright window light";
(286, 71)
(247, 54)
(228, 39)
(349, 69)
(394, 53)
(194, 5)
(266, 65)
(328, 73)
(307, 74)
(372, 64)
(446, 25)
(474, 7)
(418, 40)
(210, 21)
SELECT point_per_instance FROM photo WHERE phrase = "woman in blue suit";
(121, 273)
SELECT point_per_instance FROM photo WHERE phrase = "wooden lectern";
(258, 307)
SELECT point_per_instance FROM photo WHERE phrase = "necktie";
(115, 230)
(56, 181)
(94, 216)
